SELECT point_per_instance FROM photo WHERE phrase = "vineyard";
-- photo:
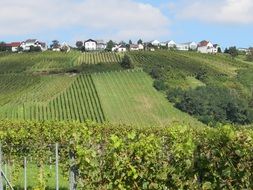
(74, 99)
(136, 101)
(98, 58)
(37, 62)
(125, 157)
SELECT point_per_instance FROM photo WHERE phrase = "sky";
(226, 22)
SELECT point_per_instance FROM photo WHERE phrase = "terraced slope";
(55, 99)
(98, 58)
(129, 98)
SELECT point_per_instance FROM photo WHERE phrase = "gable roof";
(169, 41)
(13, 44)
(100, 42)
(134, 46)
(203, 43)
(90, 40)
(30, 41)
(187, 43)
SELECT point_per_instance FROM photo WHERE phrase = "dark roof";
(216, 45)
(30, 41)
(90, 40)
(134, 46)
(122, 46)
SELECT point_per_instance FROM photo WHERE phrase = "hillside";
(81, 86)
(93, 86)
(197, 84)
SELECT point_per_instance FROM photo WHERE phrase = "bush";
(126, 62)
(159, 85)
(126, 157)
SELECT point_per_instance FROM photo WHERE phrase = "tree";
(219, 50)
(55, 44)
(2, 46)
(139, 41)
(109, 45)
(233, 51)
(126, 62)
(130, 42)
(226, 50)
(122, 43)
(79, 45)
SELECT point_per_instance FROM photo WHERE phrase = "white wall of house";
(183, 47)
(141, 46)
(14, 49)
(155, 43)
(206, 49)
(90, 45)
(193, 46)
(101, 46)
(121, 49)
(171, 44)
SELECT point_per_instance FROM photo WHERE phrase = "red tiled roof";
(13, 44)
(203, 43)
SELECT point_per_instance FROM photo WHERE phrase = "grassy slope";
(129, 98)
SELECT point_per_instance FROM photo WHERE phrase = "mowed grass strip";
(128, 97)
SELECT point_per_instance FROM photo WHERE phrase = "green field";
(98, 58)
(129, 98)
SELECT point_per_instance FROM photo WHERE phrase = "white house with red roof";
(14, 46)
(205, 47)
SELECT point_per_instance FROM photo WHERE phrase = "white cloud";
(221, 11)
(126, 18)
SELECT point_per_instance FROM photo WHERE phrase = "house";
(205, 47)
(13, 46)
(119, 48)
(90, 45)
(216, 48)
(187, 46)
(169, 44)
(134, 47)
(141, 46)
(65, 47)
(26, 45)
(155, 43)
(245, 50)
(101, 45)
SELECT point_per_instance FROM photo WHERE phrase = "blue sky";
(227, 22)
